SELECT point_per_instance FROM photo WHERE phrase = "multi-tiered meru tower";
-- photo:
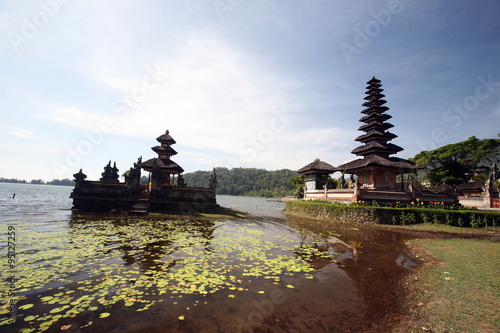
(377, 169)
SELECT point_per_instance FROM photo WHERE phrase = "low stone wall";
(395, 216)
(104, 197)
(473, 202)
(369, 195)
(183, 199)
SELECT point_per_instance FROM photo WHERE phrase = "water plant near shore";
(94, 267)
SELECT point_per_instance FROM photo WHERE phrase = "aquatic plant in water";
(98, 266)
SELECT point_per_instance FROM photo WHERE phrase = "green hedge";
(396, 216)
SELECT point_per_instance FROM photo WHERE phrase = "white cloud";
(74, 116)
(213, 99)
(22, 133)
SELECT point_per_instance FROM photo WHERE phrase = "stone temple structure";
(373, 177)
(165, 192)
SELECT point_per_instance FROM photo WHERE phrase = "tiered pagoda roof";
(375, 128)
(164, 152)
(376, 150)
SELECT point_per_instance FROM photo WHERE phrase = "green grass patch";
(460, 291)
(446, 228)
(224, 213)
(219, 213)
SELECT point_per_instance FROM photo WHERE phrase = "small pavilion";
(316, 174)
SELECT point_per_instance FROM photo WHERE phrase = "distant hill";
(246, 181)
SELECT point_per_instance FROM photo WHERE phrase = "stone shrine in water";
(166, 190)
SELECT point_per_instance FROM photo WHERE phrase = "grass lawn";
(444, 228)
(458, 289)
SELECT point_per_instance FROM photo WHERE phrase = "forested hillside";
(246, 181)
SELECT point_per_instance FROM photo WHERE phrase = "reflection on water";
(264, 273)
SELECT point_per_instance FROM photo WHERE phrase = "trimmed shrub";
(391, 215)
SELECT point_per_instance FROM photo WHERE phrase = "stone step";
(140, 207)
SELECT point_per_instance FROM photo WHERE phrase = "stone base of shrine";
(117, 197)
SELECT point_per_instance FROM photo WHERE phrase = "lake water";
(266, 273)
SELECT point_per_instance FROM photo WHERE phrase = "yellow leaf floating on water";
(59, 309)
(261, 291)
(104, 315)
(30, 318)
(87, 325)
(231, 296)
(27, 330)
(65, 327)
(25, 306)
(290, 286)
(181, 318)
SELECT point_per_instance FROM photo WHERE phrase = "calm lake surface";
(118, 273)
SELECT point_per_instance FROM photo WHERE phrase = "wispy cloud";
(22, 133)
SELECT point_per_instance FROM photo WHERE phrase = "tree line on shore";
(246, 181)
(61, 182)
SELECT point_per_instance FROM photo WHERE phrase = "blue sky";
(239, 83)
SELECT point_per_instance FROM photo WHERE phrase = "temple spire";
(376, 135)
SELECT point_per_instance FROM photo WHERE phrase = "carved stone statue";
(180, 181)
(80, 176)
(213, 181)
(110, 174)
(134, 175)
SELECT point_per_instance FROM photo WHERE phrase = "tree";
(298, 182)
(245, 181)
(126, 174)
(459, 162)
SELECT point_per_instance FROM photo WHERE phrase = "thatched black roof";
(470, 186)
(318, 167)
(389, 162)
(166, 138)
(378, 148)
(164, 164)
(166, 150)
(376, 135)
